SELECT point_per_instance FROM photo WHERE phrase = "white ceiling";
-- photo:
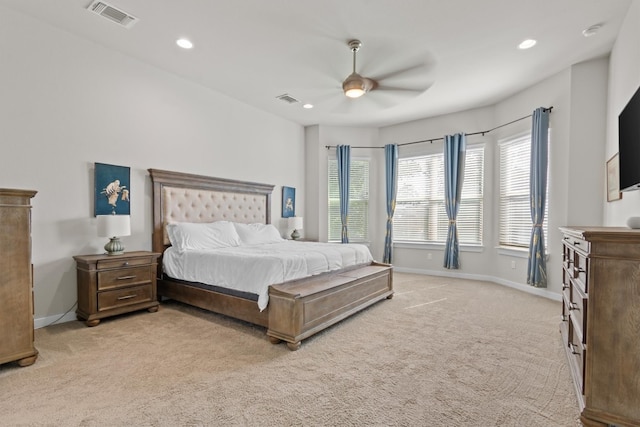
(463, 52)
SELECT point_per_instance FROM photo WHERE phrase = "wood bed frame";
(297, 309)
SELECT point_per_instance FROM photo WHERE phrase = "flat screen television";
(629, 144)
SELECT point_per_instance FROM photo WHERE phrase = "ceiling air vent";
(113, 14)
(287, 98)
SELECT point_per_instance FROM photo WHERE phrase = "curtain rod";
(442, 139)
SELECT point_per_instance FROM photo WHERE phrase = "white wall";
(314, 199)
(624, 80)
(318, 138)
(67, 103)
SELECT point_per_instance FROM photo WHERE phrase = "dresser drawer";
(578, 312)
(577, 243)
(106, 264)
(566, 284)
(122, 297)
(110, 279)
(575, 264)
(581, 272)
(578, 355)
(565, 310)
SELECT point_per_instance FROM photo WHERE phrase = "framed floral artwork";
(288, 202)
(112, 189)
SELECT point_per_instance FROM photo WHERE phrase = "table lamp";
(296, 223)
(113, 226)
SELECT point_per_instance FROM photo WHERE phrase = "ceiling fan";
(392, 86)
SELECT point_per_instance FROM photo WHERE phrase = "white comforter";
(253, 268)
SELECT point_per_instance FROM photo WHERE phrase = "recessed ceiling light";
(307, 106)
(527, 44)
(592, 30)
(184, 43)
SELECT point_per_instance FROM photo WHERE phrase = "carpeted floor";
(442, 352)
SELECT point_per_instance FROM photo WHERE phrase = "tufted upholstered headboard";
(181, 197)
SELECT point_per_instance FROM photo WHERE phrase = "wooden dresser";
(16, 280)
(601, 322)
(115, 284)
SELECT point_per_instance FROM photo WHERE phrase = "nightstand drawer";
(123, 277)
(123, 297)
(121, 262)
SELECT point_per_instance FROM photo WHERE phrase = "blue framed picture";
(288, 202)
(112, 189)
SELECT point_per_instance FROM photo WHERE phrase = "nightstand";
(115, 284)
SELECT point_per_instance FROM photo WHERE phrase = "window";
(515, 211)
(358, 219)
(420, 214)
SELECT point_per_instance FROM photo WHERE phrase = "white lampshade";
(114, 225)
(295, 223)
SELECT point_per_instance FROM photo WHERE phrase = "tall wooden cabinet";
(601, 322)
(16, 278)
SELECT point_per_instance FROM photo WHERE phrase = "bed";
(296, 309)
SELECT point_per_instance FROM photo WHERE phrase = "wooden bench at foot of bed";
(301, 308)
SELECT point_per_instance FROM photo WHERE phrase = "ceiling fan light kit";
(353, 86)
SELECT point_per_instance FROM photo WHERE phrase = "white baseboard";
(46, 321)
(497, 280)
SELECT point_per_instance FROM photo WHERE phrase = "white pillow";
(257, 234)
(204, 235)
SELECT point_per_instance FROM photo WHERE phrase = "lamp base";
(295, 235)
(114, 246)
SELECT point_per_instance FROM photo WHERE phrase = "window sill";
(516, 252)
(436, 246)
(362, 242)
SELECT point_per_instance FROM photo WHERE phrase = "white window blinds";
(420, 214)
(515, 211)
(358, 219)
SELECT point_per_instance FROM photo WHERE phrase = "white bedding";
(253, 268)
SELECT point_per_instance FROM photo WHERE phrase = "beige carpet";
(442, 352)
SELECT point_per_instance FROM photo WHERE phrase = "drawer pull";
(572, 346)
(576, 243)
(126, 277)
(578, 270)
(564, 287)
(126, 263)
(573, 306)
(127, 297)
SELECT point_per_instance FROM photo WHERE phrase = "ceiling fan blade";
(416, 90)
(417, 71)
(388, 97)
